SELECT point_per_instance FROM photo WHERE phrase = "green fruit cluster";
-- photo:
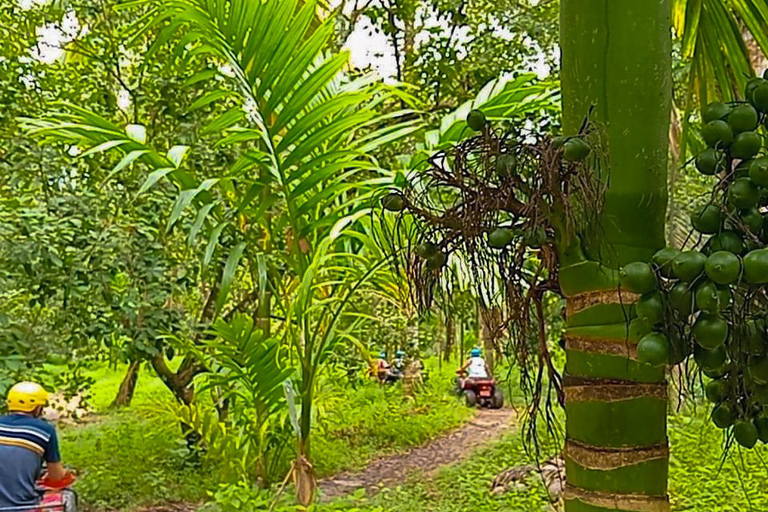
(689, 304)
(433, 256)
(709, 302)
(500, 238)
(393, 202)
(476, 120)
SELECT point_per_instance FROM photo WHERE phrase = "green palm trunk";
(616, 56)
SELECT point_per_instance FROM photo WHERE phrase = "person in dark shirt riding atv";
(26, 442)
(398, 365)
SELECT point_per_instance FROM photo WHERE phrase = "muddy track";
(448, 449)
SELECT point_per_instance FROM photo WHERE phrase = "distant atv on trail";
(479, 391)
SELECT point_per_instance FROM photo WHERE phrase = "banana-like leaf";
(503, 98)
(254, 363)
(299, 107)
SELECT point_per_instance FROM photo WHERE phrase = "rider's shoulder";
(23, 420)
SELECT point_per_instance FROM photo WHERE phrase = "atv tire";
(470, 398)
(497, 400)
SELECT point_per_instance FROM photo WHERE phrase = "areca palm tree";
(616, 69)
(616, 57)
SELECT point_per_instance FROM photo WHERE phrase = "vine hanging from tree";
(501, 202)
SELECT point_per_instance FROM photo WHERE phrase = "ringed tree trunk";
(616, 56)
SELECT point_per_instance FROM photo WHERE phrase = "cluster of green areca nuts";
(574, 149)
(712, 302)
(435, 258)
(692, 302)
(499, 164)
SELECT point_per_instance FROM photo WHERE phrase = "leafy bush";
(247, 372)
(132, 458)
(373, 420)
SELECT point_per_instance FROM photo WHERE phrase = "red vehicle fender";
(476, 384)
(52, 501)
(57, 485)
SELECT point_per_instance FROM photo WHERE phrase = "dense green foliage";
(449, 50)
(190, 186)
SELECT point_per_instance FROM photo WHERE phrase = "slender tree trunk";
(439, 351)
(304, 477)
(264, 315)
(489, 321)
(127, 386)
(450, 337)
(616, 56)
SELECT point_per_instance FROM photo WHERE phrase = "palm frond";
(712, 41)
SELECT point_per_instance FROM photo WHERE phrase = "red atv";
(479, 391)
(52, 494)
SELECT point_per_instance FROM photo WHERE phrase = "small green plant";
(247, 373)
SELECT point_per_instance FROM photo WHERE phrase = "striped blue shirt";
(25, 442)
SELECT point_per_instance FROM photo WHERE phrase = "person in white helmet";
(474, 368)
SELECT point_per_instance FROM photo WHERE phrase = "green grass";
(699, 479)
(464, 487)
(130, 459)
(150, 393)
(136, 456)
(377, 420)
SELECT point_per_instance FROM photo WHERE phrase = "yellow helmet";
(26, 397)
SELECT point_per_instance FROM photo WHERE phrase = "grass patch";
(150, 390)
(460, 488)
(137, 456)
(701, 480)
(375, 420)
(131, 458)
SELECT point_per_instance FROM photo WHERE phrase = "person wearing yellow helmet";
(26, 443)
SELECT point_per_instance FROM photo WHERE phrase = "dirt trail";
(486, 426)
(171, 507)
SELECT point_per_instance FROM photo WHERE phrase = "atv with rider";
(29, 448)
(476, 385)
